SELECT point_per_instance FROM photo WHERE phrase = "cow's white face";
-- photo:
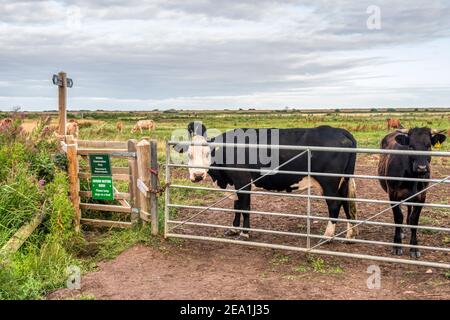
(199, 156)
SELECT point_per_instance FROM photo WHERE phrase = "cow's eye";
(207, 153)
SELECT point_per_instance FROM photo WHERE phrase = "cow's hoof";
(231, 232)
(352, 231)
(414, 253)
(243, 236)
(402, 235)
(351, 234)
(397, 251)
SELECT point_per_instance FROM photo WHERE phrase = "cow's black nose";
(198, 178)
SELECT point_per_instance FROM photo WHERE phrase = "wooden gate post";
(62, 102)
(143, 162)
(132, 187)
(74, 182)
(147, 200)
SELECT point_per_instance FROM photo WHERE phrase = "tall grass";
(30, 183)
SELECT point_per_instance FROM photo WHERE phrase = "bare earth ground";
(191, 269)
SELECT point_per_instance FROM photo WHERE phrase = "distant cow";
(144, 124)
(72, 129)
(233, 157)
(5, 122)
(394, 124)
(119, 126)
(407, 166)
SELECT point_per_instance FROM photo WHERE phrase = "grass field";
(368, 128)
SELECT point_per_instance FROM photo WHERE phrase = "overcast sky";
(141, 55)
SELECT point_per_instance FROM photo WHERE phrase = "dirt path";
(197, 270)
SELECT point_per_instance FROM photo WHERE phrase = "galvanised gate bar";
(170, 225)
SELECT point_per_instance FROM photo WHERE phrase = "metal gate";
(314, 242)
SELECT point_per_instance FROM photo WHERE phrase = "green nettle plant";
(32, 182)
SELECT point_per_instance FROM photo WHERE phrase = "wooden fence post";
(62, 101)
(154, 186)
(147, 163)
(143, 163)
(132, 187)
(74, 182)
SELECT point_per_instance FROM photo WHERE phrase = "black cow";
(408, 166)
(240, 157)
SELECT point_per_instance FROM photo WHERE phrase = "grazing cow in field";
(144, 124)
(394, 124)
(231, 156)
(407, 166)
(5, 122)
(72, 129)
(119, 126)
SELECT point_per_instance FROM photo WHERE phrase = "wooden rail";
(103, 144)
(105, 207)
(21, 235)
(106, 223)
(117, 152)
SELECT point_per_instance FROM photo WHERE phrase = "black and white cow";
(240, 157)
(407, 166)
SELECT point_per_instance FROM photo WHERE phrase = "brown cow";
(394, 124)
(5, 122)
(72, 129)
(119, 126)
(144, 124)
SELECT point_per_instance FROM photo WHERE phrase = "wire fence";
(171, 224)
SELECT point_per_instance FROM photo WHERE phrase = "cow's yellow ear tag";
(437, 145)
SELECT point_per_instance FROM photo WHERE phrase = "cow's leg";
(403, 232)
(398, 219)
(245, 205)
(331, 189)
(333, 210)
(237, 219)
(413, 219)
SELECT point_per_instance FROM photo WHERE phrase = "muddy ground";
(190, 269)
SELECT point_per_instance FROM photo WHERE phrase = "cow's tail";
(349, 188)
(352, 195)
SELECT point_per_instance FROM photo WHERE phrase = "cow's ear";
(402, 139)
(181, 148)
(437, 138)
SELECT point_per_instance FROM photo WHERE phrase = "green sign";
(102, 188)
(100, 164)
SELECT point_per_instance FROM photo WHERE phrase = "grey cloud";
(170, 49)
